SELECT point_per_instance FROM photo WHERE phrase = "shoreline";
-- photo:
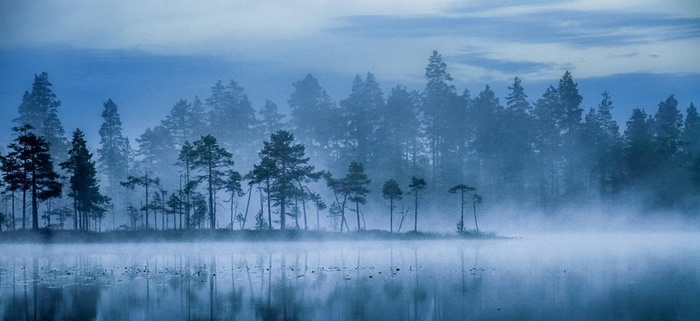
(46, 236)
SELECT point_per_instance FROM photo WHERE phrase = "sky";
(146, 55)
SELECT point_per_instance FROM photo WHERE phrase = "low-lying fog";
(630, 276)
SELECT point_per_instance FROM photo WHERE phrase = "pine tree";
(84, 187)
(287, 165)
(315, 118)
(417, 185)
(667, 129)
(212, 160)
(270, 119)
(181, 122)
(691, 132)
(639, 147)
(391, 191)
(146, 181)
(186, 159)
(35, 173)
(231, 116)
(439, 104)
(609, 149)
(463, 189)
(157, 151)
(357, 182)
(263, 173)
(232, 184)
(569, 102)
(112, 156)
(518, 137)
(398, 139)
(360, 114)
(40, 110)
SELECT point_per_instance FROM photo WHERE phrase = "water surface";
(553, 277)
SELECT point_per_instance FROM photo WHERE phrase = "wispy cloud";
(391, 38)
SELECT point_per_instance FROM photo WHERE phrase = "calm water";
(555, 277)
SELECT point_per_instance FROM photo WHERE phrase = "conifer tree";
(417, 185)
(286, 164)
(84, 187)
(391, 191)
(186, 159)
(35, 173)
(315, 118)
(667, 129)
(145, 181)
(463, 189)
(638, 148)
(231, 116)
(112, 156)
(212, 160)
(270, 118)
(40, 110)
(691, 131)
(439, 99)
(357, 182)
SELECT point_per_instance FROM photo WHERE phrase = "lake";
(542, 277)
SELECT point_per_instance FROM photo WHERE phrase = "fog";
(562, 276)
(422, 160)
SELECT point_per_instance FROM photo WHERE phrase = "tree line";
(541, 154)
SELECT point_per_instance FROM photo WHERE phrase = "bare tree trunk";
(247, 205)
(475, 222)
(391, 215)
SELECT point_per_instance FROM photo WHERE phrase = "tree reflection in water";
(440, 280)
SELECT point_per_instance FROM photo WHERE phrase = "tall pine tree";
(84, 187)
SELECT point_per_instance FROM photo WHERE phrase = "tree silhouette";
(35, 172)
(213, 161)
(391, 191)
(286, 164)
(112, 156)
(339, 187)
(84, 187)
(417, 185)
(462, 188)
(145, 181)
(357, 182)
(232, 184)
(476, 199)
(39, 109)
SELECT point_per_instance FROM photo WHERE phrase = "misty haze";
(538, 161)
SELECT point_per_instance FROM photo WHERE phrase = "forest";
(397, 162)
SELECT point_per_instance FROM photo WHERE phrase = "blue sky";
(146, 55)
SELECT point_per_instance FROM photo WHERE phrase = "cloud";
(391, 38)
(503, 65)
(572, 28)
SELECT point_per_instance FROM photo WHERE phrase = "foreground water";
(555, 277)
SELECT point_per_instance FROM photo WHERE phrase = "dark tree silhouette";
(112, 156)
(287, 165)
(39, 109)
(186, 159)
(339, 188)
(476, 199)
(463, 189)
(357, 182)
(84, 187)
(35, 173)
(213, 161)
(263, 173)
(417, 185)
(391, 191)
(232, 184)
(145, 181)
